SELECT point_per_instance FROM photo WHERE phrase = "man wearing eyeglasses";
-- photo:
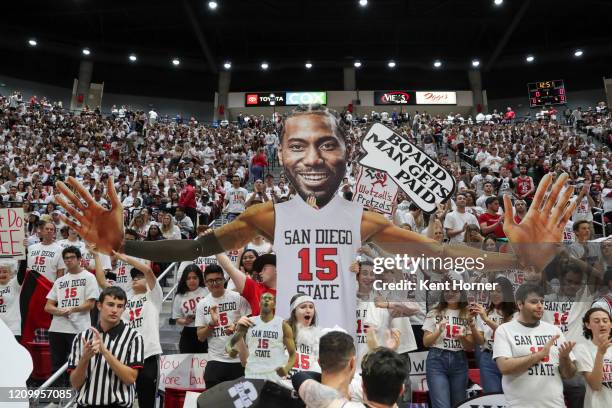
(214, 316)
(70, 300)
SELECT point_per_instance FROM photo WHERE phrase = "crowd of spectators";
(174, 177)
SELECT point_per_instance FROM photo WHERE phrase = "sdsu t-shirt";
(585, 359)
(449, 340)
(489, 334)
(567, 313)
(142, 313)
(186, 304)
(541, 385)
(231, 307)
(72, 290)
(10, 313)
(46, 259)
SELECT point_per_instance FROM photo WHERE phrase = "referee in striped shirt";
(104, 361)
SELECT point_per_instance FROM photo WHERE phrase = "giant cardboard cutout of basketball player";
(315, 247)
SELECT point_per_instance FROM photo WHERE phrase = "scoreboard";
(546, 93)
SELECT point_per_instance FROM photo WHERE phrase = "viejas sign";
(436, 98)
(418, 175)
(394, 98)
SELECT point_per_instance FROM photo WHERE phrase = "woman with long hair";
(306, 334)
(138, 224)
(594, 358)
(472, 236)
(245, 263)
(501, 309)
(10, 289)
(448, 332)
(168, 228)
(190, 289)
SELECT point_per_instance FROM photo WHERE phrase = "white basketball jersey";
(266, 347)
(314, 251)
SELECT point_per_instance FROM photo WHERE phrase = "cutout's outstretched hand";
(544, 223)
(94, 223)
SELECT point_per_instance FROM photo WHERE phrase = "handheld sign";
(418, 175)
(12, 233)
(375, 190)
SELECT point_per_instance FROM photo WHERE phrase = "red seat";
(41, 360)
(175, 397)
(474, 375)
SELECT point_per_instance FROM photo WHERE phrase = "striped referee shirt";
(103, 386)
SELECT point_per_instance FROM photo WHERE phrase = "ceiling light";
(86, 51)
(578, 53)
(437, 63)
(308, 65)
(357, 64)
(176, 62)
(391, 64)
(363, 3)
(498, 2)
(32, 42)
(227, 65)
(475, 63)
(264, 65)
(530, 58)
(212, 5)
(133, 57)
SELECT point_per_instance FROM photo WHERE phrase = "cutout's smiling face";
(314, 156)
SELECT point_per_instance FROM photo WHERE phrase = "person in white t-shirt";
(69, 301)
(215, 315)
(265, 343)
(190, 290)
(533, 356)
(478, 180)
(501, 309)
(306, 333)
(456, 222)
(594, 358)
(448, 332)
(235, 199)
(46, 256)
(10, 289)
(142, 311)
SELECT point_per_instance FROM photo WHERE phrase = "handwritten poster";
(12, 233)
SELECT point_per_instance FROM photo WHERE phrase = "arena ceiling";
(330, 34)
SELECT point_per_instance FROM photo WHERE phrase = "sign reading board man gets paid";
(424, 181)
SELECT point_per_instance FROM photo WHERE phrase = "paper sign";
(375, 190)
(182, 371)
(12, 233)
(418, 379)
(421, 177)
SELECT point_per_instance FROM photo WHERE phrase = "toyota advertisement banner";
(284, 98)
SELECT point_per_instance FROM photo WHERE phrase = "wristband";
(211, 326)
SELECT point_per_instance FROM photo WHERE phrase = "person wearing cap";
(250, 289)
(215, 314)
(141, 313)
(57, 221)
